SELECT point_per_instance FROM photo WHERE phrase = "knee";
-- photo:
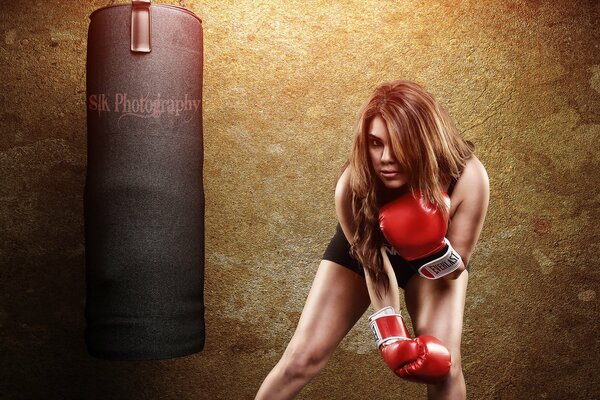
(454, 379)
(303, 363)
(456, 366)
(455, 370)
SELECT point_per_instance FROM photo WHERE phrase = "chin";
(395, 184)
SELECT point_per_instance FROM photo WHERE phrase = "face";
(382, 156)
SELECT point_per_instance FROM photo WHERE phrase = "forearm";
(380, 297)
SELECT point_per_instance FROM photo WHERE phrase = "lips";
(388, 173)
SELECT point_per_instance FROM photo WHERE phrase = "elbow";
(457, 272)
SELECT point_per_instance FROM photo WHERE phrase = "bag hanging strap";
(141, 26)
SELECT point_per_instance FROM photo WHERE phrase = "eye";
(374, 142)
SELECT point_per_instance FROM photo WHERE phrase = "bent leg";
(436, 308)
(337, 299)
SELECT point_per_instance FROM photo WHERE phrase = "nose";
(387, 156)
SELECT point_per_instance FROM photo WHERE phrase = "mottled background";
(283, 84)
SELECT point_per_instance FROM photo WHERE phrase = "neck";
(387, 195)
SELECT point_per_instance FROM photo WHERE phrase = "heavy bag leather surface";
(144, 199)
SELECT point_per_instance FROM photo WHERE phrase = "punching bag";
(144, 198)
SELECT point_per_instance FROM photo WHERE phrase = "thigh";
(337, 299)
(436, 308)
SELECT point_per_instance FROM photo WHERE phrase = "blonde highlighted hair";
(427, 147)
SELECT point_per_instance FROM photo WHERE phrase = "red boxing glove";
(423, 359)
(416, 230)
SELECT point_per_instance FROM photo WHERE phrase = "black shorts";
(338, 251)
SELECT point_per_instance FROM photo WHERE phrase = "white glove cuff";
(442, 266)
(389, 310)
(379, 340)
(389, 340)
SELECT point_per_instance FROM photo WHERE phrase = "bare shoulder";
(473, 186)
(343, 204)
(474, 174)
(342, 188)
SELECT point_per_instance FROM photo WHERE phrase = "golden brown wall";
(283, 83)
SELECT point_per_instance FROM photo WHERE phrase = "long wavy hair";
(427, 147)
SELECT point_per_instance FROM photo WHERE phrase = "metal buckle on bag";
(141, 26)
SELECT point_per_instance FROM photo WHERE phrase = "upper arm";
(473, 193)
(343, 204)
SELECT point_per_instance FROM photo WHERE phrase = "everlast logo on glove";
(448, 262)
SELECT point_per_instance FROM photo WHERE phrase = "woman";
(405, 144)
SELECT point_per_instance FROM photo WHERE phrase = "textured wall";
(283, 84)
